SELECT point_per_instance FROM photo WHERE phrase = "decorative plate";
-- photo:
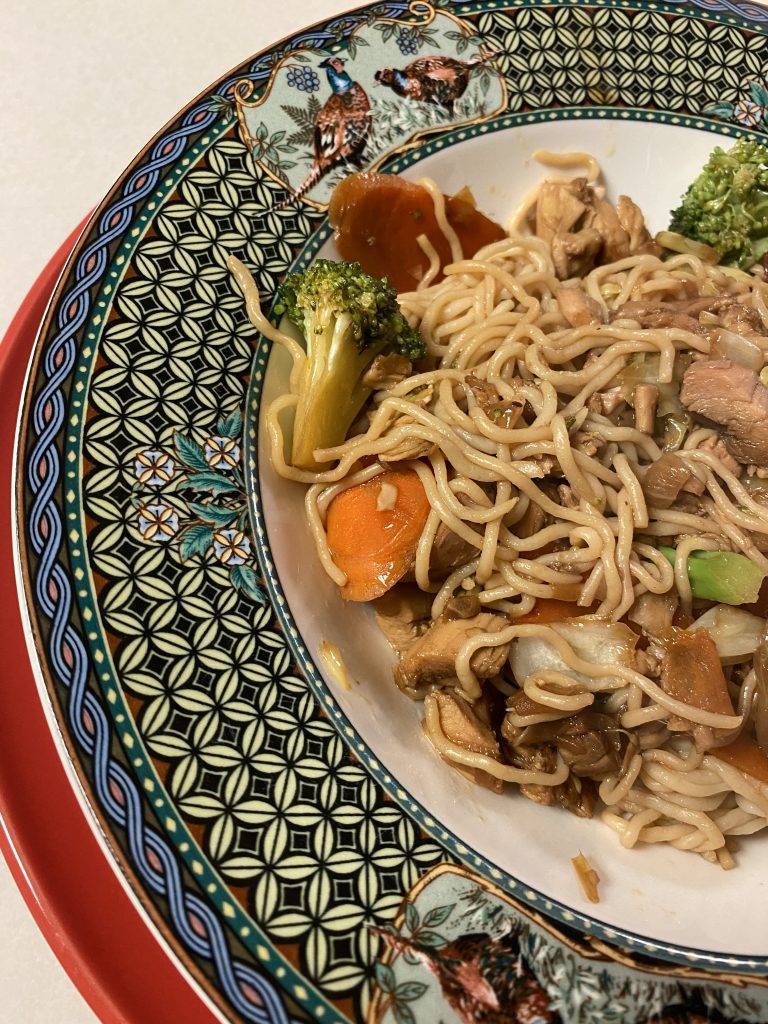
(297, 847)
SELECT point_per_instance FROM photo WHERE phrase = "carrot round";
(373, 530)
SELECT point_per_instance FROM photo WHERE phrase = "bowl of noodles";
(561, 658)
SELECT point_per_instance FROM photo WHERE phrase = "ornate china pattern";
(280, 860)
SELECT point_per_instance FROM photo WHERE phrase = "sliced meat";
(574, 253)
(462, 726)
(449, 552)
(665, 478)
(386, 371)
(744, 320)
(631, 219)
(432, 657)
(605, 220)
(462, 606)
(733, 397)
(716, 445)
(588, 441)
(502, 413)
(578, 308)
(591, 743)
(402, 615)
(560, 206)
(653, 613)
(485, 394)
(683, 315)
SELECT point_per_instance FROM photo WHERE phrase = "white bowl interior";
(659, 893)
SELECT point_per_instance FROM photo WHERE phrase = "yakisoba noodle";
(497, 317)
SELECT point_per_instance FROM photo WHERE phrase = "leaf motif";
(409, 990)
(403, 1014)
(438, 915)
(385, 976)
(232, 425)
(196, 540)
(210, 513)
(302, 116)
(759, 93)
(215, 483)
(189, 452)
(433, 939)
(720, 109)
(412, 918)
(245, 579)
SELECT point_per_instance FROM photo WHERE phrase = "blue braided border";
(193, 920)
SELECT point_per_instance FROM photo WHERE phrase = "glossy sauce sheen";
(378, 218)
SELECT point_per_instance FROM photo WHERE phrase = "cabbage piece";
(592, 640)
(736, 633)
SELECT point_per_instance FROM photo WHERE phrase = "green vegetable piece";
(347, 318)
(726, 207)
(722, 576)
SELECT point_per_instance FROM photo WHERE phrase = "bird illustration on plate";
(484, 980)
(438, 79)
(341, 126)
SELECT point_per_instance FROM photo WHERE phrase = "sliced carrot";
(374, 545)
(691, 671)
(548, 610)
(745, 754)
(378, 217)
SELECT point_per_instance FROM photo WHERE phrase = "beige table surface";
(83, 85)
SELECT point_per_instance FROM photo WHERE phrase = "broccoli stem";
(331, 393)
(722, 576)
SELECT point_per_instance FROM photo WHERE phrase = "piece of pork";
(386, 371)
(402, 615)
(461, 725)
(653, 613)
(502, 413)
(665, 478)
(560, 206)
(449, 552)
(578, 308)
(432, 657)
(574, 253)
(743, 320)
(733, 397)
(605, 220)
(631, 219)
(683, 314)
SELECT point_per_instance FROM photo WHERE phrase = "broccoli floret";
(726, 207)
(347, 318)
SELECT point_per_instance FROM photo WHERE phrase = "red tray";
(69, 885)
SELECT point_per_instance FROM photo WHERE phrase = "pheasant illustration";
(439, 79)
(487, 980)
(341, 125)
(484, 980)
